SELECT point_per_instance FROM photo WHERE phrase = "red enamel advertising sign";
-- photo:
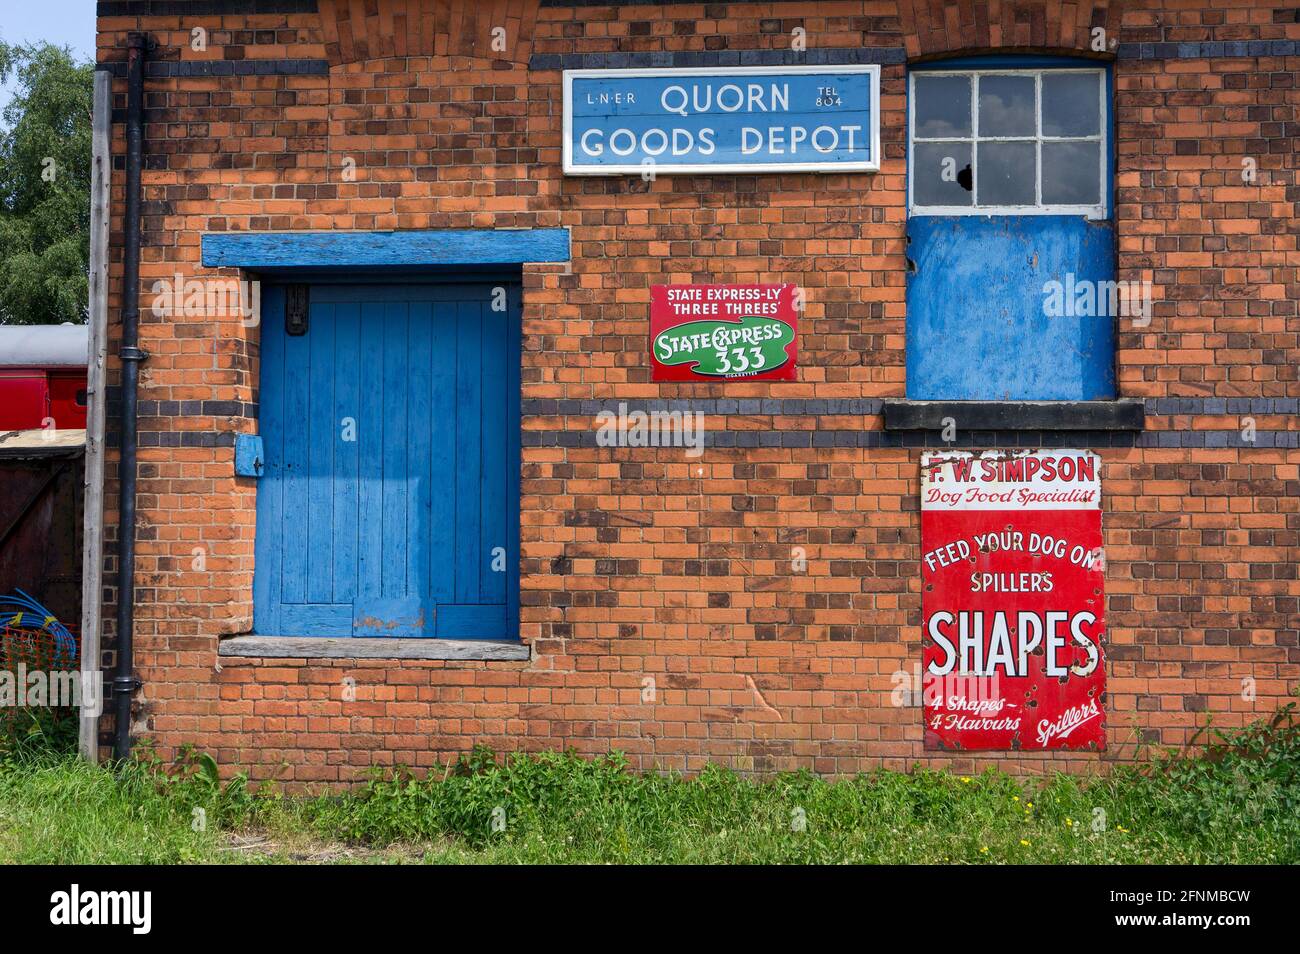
(723, 332)
(1013, 605)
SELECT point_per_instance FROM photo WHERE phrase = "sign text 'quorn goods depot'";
(733, 119)
(1012, 600)
(718, 332)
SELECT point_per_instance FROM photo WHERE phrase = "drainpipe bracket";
(127, 684)
(131, 353)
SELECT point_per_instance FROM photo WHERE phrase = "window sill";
(1126, 414)
(346, 647)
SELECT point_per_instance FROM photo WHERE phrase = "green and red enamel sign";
(723, 332)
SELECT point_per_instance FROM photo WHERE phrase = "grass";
(1235, 799)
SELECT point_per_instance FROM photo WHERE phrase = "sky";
(63, 22)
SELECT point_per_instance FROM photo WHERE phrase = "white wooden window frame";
(1098, 211)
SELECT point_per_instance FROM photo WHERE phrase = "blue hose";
(22, 613)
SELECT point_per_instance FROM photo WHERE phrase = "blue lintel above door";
(411, 249)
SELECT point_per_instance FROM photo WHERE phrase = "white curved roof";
(26, 346)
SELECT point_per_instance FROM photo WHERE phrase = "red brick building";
(371, 163)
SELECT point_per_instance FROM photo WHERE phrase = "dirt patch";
(271, 847)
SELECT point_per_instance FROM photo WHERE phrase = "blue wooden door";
(388, 506)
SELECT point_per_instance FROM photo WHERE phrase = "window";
(1009, 182)
(1008, 142)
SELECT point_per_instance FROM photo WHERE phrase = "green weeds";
(1235, 799)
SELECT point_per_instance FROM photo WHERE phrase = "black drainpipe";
(124, 682)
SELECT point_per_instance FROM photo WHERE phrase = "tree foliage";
(45, 149)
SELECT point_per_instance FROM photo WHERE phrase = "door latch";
(248, 455)
(297, 298)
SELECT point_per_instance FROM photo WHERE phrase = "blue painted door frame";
(976, 327)
(389, 500)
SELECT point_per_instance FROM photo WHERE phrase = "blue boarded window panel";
(976, 326)
(389, 501)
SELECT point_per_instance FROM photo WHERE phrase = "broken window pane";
(941, 107)
(1071, 104)
(1001, 125)
(1006, 106)
(1071, 173)
(941, 174)
(1004, 173)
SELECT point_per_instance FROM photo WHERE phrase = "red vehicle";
(42, 377)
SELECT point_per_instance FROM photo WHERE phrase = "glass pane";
(1071, 103)
(1005, 173)
(1071, 173)
(941, 173)
(942, 107)
(1006, 106)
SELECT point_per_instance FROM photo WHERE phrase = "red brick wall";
(644, 564)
